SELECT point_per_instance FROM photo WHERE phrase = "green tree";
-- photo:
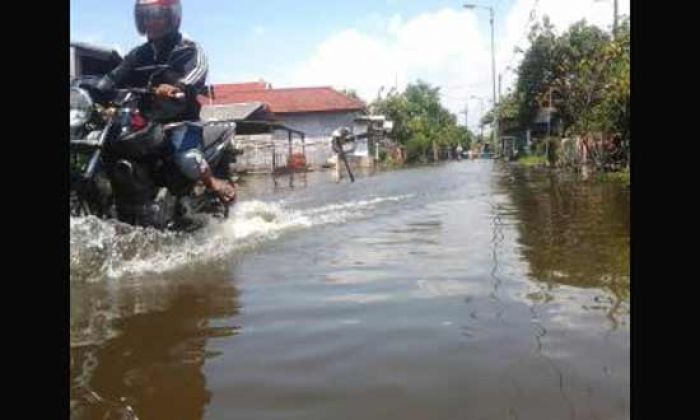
(536, 71)
(583, 73)
(583, 56)
(351, 93)
(421, 122)
(611, 111)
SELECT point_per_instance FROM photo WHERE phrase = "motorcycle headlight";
(80, 107)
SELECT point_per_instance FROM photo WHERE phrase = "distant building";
(315, 111)
(91, 60)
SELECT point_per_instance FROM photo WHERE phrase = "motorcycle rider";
(159, 21)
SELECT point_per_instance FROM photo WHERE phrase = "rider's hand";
(167, 91)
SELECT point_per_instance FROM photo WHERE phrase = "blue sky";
(361, 45)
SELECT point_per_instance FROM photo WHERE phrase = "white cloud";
(449, 48)
(89, 38)
(238, 77)
(561, 13)
(443, 48)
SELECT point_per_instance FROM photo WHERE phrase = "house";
(372, 132)
(256, 111)
(513, 139)
(315, 111)
(547, 122)
(520, 140)
(267, 144)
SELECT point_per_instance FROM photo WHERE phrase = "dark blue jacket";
(188, 72)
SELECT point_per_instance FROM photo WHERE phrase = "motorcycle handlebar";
(143, 91)
(140, 91)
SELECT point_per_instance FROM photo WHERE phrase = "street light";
(493, 68)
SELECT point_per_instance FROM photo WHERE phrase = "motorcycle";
(122, 165)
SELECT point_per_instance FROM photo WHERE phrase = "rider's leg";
(187, 142)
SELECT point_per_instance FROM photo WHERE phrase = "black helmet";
(157, 18)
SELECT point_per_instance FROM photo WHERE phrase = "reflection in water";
(574, 236)
(468, 290)
(573, 233)
(137, 351)
(497, 238)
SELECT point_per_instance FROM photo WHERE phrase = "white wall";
(318, 127)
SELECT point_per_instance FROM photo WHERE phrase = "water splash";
(102, 249)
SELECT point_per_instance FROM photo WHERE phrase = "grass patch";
(532, 160)
(618, 176)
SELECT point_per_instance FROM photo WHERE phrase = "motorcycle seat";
(212, 132)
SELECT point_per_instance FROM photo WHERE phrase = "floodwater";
(468, 290)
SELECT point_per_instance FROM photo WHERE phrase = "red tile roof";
(288, 100)
(238, 87)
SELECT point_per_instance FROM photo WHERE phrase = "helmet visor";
(156, 20)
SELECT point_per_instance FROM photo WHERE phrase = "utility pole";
(493, 76)
(498, 113)
(493, 69)
(549, 125)
(549, 114)
(466, 115)
(500, 77)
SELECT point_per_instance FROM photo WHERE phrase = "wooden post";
(272, 172)
(273, 156)
(303, 151)
(303, 147)
(337, 167)
(289, 160)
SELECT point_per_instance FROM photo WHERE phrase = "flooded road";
(469, 290)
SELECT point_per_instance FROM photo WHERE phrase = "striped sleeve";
(195, 66)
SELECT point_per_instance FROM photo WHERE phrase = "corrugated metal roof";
(238, 111)
(242, 87)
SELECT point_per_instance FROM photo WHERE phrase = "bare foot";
(226, 190)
